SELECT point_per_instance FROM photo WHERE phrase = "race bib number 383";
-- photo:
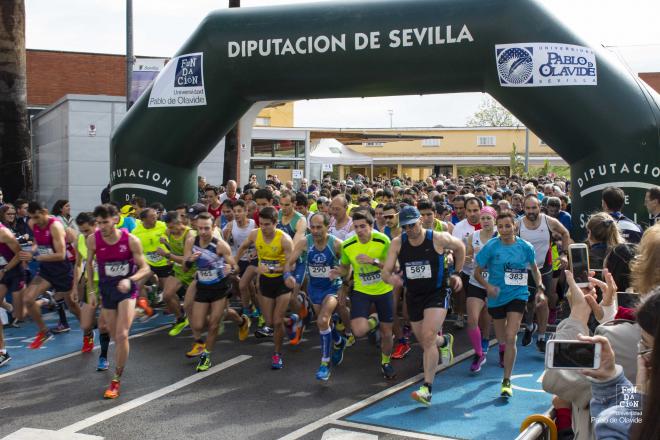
(515, 277)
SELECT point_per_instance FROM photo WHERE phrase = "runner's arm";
(246, 244)
(444, 240)
(138, 257)
(390, 261)
(89, 268)
(287, 248)
(226, 233)
(557, 228)
(478, 270)
(301, 230)
(298, 249)
(224, 251)
(11, 241)
(59, 245)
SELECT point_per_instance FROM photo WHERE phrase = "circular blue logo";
(515, 65)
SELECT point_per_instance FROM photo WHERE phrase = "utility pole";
(129, 52)
(231, 163)
(526, 150)
(391, 113)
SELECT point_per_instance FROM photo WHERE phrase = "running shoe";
(501, 359)
(113, 390)
(178, 326)
(103, 364)
(350, 340)
(204, 362)
(529, 332)
(60, 328)
(401, 350)
(507, 391)
(244, 329)
(338, 352)
(88, 343)
(323, 372)
(484, 345)
(299, 328)
(40, 339)
(276, 362)
(540, 345)
(144, 305)
(477, 362)
(196, 350)
(422, 395)
(388, 371)
(291, 326)
(4, 358)
(447, 350)
(263, 332)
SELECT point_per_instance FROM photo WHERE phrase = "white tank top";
(477, 245)
(342, 233)
(539, 238)
(239, 235)
(462, 231)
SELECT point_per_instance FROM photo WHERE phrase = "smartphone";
(572, 355)
(578, 256)
(627, 300)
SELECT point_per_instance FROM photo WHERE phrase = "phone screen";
(580, 264)
(574, 354)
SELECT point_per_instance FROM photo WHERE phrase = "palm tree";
(15, 163)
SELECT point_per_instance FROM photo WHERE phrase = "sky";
(161, 26)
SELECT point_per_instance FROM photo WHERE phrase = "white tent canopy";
(334, 152)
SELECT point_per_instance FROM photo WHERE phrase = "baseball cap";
(127, 210)
(408, 215)
(451, 188)
(196, 209)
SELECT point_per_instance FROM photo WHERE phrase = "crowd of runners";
(387, 259)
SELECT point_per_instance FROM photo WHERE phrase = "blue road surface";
(467, 406)
(18, 339)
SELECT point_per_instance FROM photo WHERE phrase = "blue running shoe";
(338, 352)
(484, 345)
(103, 364)
(323, 372)
(277, 362)
(388, 371)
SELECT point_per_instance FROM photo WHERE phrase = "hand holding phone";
(572, 355)
(578, 257)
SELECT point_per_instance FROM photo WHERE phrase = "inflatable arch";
(599, 117)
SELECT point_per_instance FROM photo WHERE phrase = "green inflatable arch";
(599, 117)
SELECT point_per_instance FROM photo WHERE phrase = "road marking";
(40, 434)
(518, 387)
(343, 434)
(75, 353)
(384, 430)
(333, 418)
(105, 415)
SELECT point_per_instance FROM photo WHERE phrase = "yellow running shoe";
(196, 350)
(178, 327)
(244, 329)
(507, 390)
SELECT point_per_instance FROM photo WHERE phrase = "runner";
(341, 225)
(273, 250)
(211, 287)
(508, 259)
(364, 252)
(538, 228)
(322, 254)
(175, 239)
(55, 271)
(91, 300)
(478, 322)
(11, 277)
(427, 211)
(121, 266)
(420, 255)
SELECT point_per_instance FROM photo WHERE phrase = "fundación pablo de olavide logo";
(545, 64)
(181, 83)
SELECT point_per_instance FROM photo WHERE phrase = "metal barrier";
(539, 426)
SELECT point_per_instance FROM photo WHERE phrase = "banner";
(181, 83)
(145, 70)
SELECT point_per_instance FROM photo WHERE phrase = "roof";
(332, 151)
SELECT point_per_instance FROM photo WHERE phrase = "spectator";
(612, 201)
(201, 184)
(62, 211)
(652, 202)
(553, 207)
(602, 237)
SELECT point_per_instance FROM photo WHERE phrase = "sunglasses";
(389, 216)
(410, 226)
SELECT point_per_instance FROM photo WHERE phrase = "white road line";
(76, 353)
(332, 418)
(384, 430)
(105, 415)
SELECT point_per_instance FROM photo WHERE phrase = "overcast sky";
(161, 26)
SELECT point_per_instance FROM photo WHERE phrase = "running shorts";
(58, 274)
(272, 287)
(214, 292)
(14, 279)
(361, 305)
(317, 296)
(162, 271)
(418, 303)
(476, 292)
(111, 297)
(244, 264)
(516, 305)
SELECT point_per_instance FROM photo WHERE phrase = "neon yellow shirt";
(367, 277)
(150, 239)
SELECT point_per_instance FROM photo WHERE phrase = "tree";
(492, 114)
(15, 157)
(516, 162)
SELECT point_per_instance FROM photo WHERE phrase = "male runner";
(121, 267)
(212, 287)
(91, 300)
(322, 254)
(273, 249)
(420, 254)
(537, 228)
(364, 252)
(11, 276)
(507, 259)
(55, 271)
(427, 211)
(341, 225)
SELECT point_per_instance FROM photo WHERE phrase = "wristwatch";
(376, 262)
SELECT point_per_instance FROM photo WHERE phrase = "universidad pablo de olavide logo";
(181, 83)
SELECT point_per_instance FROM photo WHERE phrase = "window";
(262, 122)
(486, 141)
(373, 144)
(277, 148)
(430, 142)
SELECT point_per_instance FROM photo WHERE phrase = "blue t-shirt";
(507, 268)
(565, 219)
(129, 224)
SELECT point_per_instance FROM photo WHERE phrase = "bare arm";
(246, 244)
(138, 257)
(387, 273)
(8, 238)
(298, 249)
(287, 248)
(224, 251)
(301, 230)
(59, 245)
(444, 240)
(557, 228)
(89, 269)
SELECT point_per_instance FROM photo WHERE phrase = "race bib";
(270, 263)
(515, 277)
(154, 257)
(418, 269)
(370, 278)
(3, 262)
(116, 269)
(319, 271)
(208, 276)
(44, 250)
